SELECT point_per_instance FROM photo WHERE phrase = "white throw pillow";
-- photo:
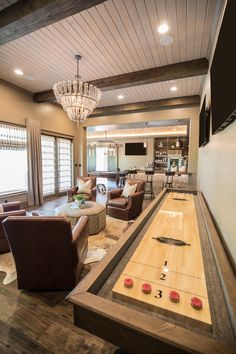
(1, 209)
(128, 189)
(85, 187)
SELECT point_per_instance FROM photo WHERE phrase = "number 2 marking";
(159, 294)
(162, 276)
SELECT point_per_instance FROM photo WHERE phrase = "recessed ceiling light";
(173, 88)
(28, 77)
(163, 28)
(166, 40)
(18, 72)
(120, 97)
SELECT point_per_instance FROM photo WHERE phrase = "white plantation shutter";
(49, 164)
(101, 158)
(12, 137)
(57, 164)
(64, 158)
(13, 159)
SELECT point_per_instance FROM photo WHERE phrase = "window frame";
(59, 136)
(10, 193)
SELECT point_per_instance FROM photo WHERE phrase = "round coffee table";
(96, 213)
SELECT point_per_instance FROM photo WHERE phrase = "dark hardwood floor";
(42, 322)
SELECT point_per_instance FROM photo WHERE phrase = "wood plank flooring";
(42, 322)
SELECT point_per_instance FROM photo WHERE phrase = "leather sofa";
(9, 209)
(126, 208)
(91, 196)
(47, 253)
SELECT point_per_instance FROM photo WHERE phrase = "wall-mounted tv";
(204, 124)
(223, 73)
(135, 149)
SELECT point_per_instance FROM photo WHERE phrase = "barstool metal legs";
(149, 183)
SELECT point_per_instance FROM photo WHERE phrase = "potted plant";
(79, 198)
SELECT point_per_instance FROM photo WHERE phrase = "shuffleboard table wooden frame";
(141, 331)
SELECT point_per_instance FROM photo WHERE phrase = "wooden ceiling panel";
(102, 50)
(140, 21)
(127, 34)
(161, 90)
(82, 45)
(107, 29)
(115, 37)
(209, 27)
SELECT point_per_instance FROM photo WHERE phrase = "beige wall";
(216, 178)
(216, 174)
(180, 113)
(126, 162)
(16, 106)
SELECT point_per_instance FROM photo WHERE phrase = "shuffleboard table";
(167, 286)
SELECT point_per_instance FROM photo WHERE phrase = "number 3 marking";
(159, 294)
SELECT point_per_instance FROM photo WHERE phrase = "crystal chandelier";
(110, 145)
(77, 98)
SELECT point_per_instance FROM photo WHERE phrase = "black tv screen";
(135, 149)
(204, 124)
(223, 73)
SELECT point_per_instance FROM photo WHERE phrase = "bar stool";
(149, 181)
(132, 173)
(122, 180)
(118, 177)
(169, 179)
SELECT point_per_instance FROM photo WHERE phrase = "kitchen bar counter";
(159, 178)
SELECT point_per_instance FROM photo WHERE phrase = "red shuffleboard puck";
(174, 296)
(196, 303)
(128, 282)
(146, 288)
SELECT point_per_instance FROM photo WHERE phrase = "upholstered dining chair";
(86, 186)
(8, 209)
(126, 207)
(47, 253)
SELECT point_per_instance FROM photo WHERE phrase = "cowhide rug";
(98, 245)
(7, 265)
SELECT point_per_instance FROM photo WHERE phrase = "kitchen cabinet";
(171, 154)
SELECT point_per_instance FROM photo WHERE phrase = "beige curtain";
(35, 182)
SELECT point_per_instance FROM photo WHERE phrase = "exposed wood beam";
(169, 103)
(142, 77)
(44, 96)
(149, 76)
(26, 16)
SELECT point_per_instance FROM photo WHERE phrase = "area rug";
(7, 265)
(98, 245)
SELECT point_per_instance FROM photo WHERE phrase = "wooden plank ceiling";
(114, 38)
(161, 90)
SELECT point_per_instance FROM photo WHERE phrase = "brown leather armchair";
(91, 196)
(47, 253)
(9, 209)
(126, 208)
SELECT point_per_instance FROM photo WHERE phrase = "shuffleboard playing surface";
(167, 266)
